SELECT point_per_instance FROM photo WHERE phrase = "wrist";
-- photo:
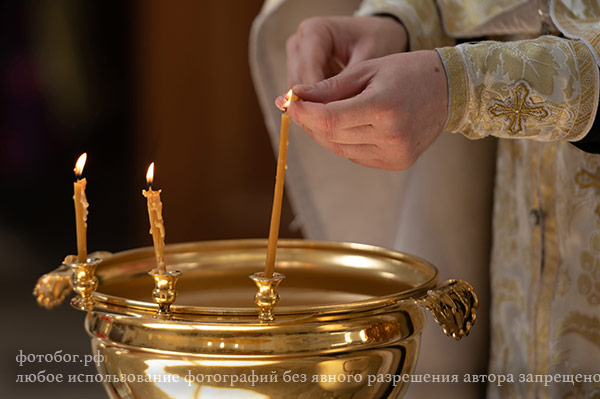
(403, 33)
(440, 88)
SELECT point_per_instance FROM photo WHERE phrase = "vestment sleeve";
(545, 89)
(420, 18)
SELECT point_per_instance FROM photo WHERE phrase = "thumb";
(350, 82)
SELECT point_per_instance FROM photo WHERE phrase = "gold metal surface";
(453, 305)
(267, 296)
(84, 282)
(164, 293)
(350, 317)
(52, 288)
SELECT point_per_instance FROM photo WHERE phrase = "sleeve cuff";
(457, 88)
(544, 89)
(419, 17)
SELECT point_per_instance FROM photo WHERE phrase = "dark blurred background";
(128, 82)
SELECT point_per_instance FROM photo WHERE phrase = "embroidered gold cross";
(517, 109)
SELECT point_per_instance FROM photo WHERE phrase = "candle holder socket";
(164, 292)
(84, 282)
(267, 296)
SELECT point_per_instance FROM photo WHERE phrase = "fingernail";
(279, 101)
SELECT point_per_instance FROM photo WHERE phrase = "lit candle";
(157, 225)
(81, 209)
(279, 179)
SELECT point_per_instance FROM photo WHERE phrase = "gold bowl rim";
(110, 303)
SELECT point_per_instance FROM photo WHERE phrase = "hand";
(323, 46)
(381, 113)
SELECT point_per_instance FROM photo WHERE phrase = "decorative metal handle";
(453, 305)
(52, 288)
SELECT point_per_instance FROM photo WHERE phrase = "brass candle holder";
(164, 292)
(84, 281)
(267, 296)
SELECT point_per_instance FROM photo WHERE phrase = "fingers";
(305, 62)
(309, 52)
(335, 110)
(326, 121)
(279, 101)
(337, 102)
(323, 46)
(376, 164)
(333, 121)
(369, 155)
(349, 83)
(381, 113)
(353, 136)
(352, 151)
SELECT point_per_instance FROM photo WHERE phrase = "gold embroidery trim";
(583, 27)
(588, 98)
(457, 88)
(460, 16)
(517, 109)
(586, 326)
(586, 179)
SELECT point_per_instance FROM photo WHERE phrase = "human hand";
(381, 113)
(323, 46)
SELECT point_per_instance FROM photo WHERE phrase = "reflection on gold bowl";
(349, 320)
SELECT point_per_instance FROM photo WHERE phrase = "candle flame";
(150, 175)
(288, 100)
(80, 164)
